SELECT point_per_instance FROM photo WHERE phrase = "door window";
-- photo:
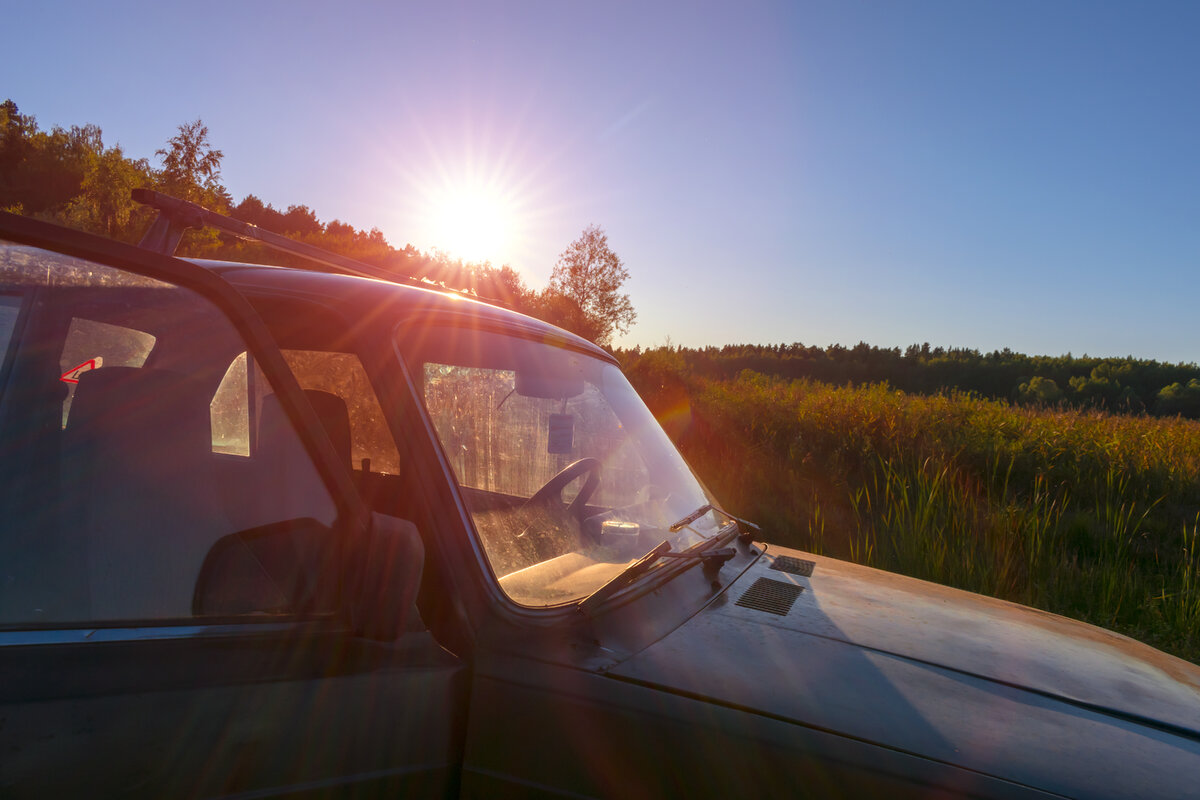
(10, 312)
(341, 375)
(116, 508)
(10, 309)
(91, 344)
(336, 385)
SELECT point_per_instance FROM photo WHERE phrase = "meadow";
(1082, 513)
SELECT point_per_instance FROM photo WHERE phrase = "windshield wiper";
(711, 558)
(744, 526)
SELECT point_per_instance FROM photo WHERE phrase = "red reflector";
(72, 375)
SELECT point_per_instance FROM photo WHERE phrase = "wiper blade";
(711, 558)
(702, 510)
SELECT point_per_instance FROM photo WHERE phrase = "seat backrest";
(138, 459)
(335, 418)
(287, 476)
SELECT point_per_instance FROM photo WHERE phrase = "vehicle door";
(193, 600)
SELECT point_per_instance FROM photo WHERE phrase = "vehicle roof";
(360, 298)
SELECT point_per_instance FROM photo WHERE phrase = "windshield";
(567, 476)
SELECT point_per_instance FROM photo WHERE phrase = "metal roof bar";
(176, 215)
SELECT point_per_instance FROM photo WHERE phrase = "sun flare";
(474, 223)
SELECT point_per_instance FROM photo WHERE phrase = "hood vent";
(774, 597)
(796, 566)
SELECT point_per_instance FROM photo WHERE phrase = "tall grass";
(1086, 514)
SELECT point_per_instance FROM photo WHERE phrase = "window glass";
(10, 309)
(230, 411)
(339, 391)
(500, 441)
(91, 344)
(566, 474)
(125, 514)
(342, 375)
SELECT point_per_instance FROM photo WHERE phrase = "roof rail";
(175, 216)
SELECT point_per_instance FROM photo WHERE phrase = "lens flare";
(471, 222)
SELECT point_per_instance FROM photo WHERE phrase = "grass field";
(1086, 514)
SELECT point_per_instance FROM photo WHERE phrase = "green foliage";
(1039, 390)
(1182, 399)
(40, 172)
(1080, 512)
(104, 204)
(191, 168)
(1125, 385)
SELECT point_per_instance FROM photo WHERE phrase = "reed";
(1082, 513)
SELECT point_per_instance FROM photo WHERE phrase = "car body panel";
(959, 679)
(547, 730)
(279, 712)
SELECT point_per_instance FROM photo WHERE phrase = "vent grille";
(774, 597)
(796, 566)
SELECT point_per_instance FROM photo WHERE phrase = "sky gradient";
(972, 174)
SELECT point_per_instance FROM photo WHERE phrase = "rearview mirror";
(553, 377)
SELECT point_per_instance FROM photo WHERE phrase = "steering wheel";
(553, 488)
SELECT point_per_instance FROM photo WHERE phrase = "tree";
(104, 204)
(1039, 390)
(1178, 398)
(191, 167)
(563, 311)
(590, 275)
(41, 171)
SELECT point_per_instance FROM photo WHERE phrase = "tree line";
(70, 176)
(1121, 385)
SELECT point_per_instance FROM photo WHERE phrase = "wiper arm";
(711, 558)
(743, 525)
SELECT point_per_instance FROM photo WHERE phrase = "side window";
(338, 389)
(341, 375)
(10, 309)
(91, 344)
(229, 410)
(124, 514)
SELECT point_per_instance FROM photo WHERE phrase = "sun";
(474, 222)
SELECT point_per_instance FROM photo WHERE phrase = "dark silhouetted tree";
(563, 311)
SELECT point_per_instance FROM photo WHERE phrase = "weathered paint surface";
(951, 676)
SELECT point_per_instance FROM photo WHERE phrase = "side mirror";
(290, 567)
(282, 568)
(383, 575)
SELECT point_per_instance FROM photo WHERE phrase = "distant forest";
(71, 177)
(1120, 385)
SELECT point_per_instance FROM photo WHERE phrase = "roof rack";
(175, 216)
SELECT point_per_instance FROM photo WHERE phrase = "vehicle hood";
(949, 675)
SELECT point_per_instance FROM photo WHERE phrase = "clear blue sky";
(978, 174)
